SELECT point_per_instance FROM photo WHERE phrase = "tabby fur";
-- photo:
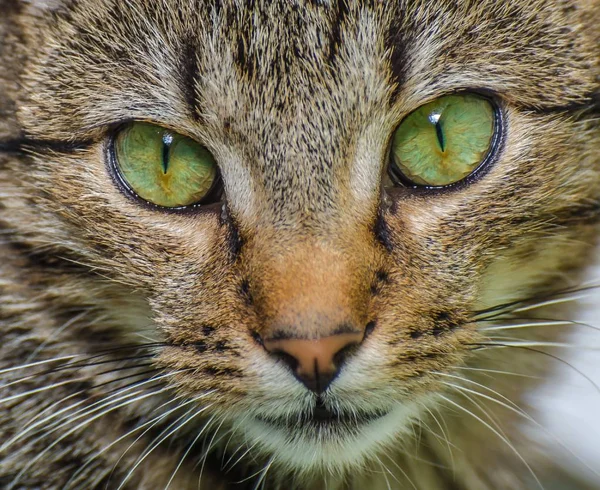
(297, 100)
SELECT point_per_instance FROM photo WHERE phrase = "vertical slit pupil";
(167, 141)
(440, 135)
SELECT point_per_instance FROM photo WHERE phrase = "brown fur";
(297, 101)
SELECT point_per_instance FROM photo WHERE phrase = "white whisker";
(444, 436)
(263, 474)
(503, 438)
(556, 323)
(152, 422)
(147, 452)
(182, 459)
(551, 302)
(56, 332)
(512, 342)
(210, 444)
(496, 371)
(74, 429)
(247, 451)
(41, 389)
(384, 471)
(37, 363)
(513, 407)
(408, 479)
(87, 410)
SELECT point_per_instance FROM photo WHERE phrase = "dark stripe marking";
(396, 42)
(190, 71)
(590, 104)
(48, 259)
(335, 37)
(574, 215)
(382, 233)
(22, 145)
(234, 241)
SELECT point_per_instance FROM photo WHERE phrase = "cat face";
(298, 104)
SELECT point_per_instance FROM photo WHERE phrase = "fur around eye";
(162, 167)
(443, 142)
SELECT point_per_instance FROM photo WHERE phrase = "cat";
(315, 244)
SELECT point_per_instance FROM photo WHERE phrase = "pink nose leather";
(314, 359)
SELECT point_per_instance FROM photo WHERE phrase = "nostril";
(287, 359)
(341, 356)
(369, 329)
(315, 362)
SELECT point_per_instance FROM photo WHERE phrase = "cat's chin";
(330, 444)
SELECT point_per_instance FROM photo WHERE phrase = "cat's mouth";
(323, 417)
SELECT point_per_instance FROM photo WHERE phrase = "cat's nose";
(316, 362)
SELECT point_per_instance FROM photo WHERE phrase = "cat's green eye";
(443, 142)
(164, 168)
